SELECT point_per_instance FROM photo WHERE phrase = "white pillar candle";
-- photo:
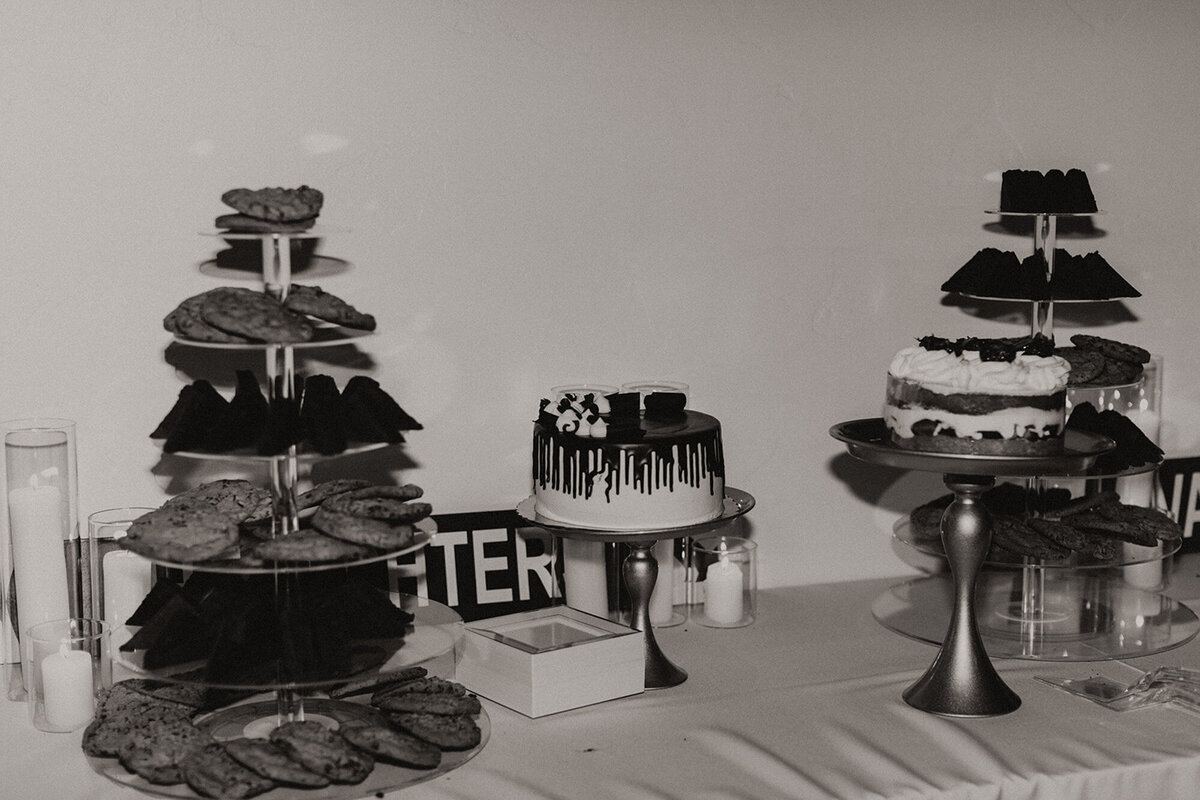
(1138, 490)
(585, 577)
(36, 522)
(67, 689)
(127, 580)
(723, 592)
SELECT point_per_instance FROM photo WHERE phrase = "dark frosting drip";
(688, 453)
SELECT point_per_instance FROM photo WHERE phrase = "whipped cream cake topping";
(990, 366)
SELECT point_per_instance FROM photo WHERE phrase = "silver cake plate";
(640, 569)
(961, 681)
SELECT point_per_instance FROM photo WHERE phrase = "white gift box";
(552, 659)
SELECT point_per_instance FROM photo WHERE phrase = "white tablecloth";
(804, 704)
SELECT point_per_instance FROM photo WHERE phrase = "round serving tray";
(315, 266)
(736, 503)
(869, 440)
(1045, 213)
(315, 232)
(323, 336)
(237, 720)
(1088, 616)
(303, 455)
(1080, 300)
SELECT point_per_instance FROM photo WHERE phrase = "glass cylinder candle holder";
(66, 663)
(116, 580)
(42, 580)
(1141, 401)
(725, 581)
(581, 389)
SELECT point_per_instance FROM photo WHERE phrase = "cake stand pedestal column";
(961, 681)
(640, 570)
(640, 573)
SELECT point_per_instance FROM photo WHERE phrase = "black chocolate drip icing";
(687, 452)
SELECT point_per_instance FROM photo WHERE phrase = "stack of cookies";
(1093, 527)
(1096, 361)
(271, 209)
(228, 519)
(240, 315)
(158, 740)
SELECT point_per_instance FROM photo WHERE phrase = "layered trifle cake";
(978, 396)
(626, 462)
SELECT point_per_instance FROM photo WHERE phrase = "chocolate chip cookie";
(244, 223)
(392, 746)
(276, 203)
(447, 732)
(183, 535)
(388, 503)
(308, 546)
(1109, 348)
(269, 760)
(155, 749)
(234, 497)
(254, 315)
(443, 704)
(212, 772)
(363, 530)
(186, 321)
(316, 302)
(322, 751)
(378, 682)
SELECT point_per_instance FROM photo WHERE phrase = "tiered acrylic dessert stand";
(961, 681)
(1072, 610)
(277, 693)
(640, 570)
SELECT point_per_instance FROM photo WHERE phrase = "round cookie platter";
(429, 639)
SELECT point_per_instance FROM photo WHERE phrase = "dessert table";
(806, 703)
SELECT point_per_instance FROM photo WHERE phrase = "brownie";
(321, 415)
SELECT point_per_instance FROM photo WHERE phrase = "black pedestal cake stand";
(640, 570)
(962, 682)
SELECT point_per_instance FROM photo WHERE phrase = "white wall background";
(759, 198)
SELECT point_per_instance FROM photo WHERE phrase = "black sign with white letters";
(1179, 496)
(483, 564)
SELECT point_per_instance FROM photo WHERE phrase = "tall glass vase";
(39, 547)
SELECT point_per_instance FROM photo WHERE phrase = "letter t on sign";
(448, 541)
(485, 564)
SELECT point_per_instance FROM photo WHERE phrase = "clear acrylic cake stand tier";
(386, 777)
(1084, 615)
(961, 681)
(640, 569)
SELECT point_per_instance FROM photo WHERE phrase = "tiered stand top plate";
(323, 336)
(736, 503)
(869, 440)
